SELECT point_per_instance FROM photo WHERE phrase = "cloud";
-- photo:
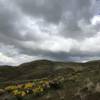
(65, 12)
(48, 29)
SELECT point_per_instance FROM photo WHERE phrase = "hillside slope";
(34, 70)
(81, 80)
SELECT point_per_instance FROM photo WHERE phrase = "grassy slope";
(77, 76)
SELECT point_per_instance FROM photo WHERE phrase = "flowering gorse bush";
(35, 88)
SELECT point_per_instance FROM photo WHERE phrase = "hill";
(81, 80)
(34, 70)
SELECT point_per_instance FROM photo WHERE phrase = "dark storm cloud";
(62, 56)
(50, 29)
(53, 10)
(7, 20)
(50, 10)
(10, 22)
(79, 10)
(67, 12)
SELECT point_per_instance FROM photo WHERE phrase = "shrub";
(28, 86)
(10, 88)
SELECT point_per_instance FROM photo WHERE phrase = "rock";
(2, 91)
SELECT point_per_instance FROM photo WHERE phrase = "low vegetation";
(47, 80)
(35, 88)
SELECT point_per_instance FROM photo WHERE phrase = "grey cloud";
(50, 10)
(55, 11)
(79, 10)
(73, 55)
(73, 15)
(10, 22)
(7, 19)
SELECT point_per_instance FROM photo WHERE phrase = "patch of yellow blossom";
(28, 86)
(18, 93)
(35, 87)
(38, 90)
(10, 88)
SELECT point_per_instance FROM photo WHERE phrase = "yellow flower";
(38, 90)
(10, 88)
(23, 93)
(20, 86)
(17, 92)
(28, 85)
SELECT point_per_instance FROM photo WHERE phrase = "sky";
(60, 30)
